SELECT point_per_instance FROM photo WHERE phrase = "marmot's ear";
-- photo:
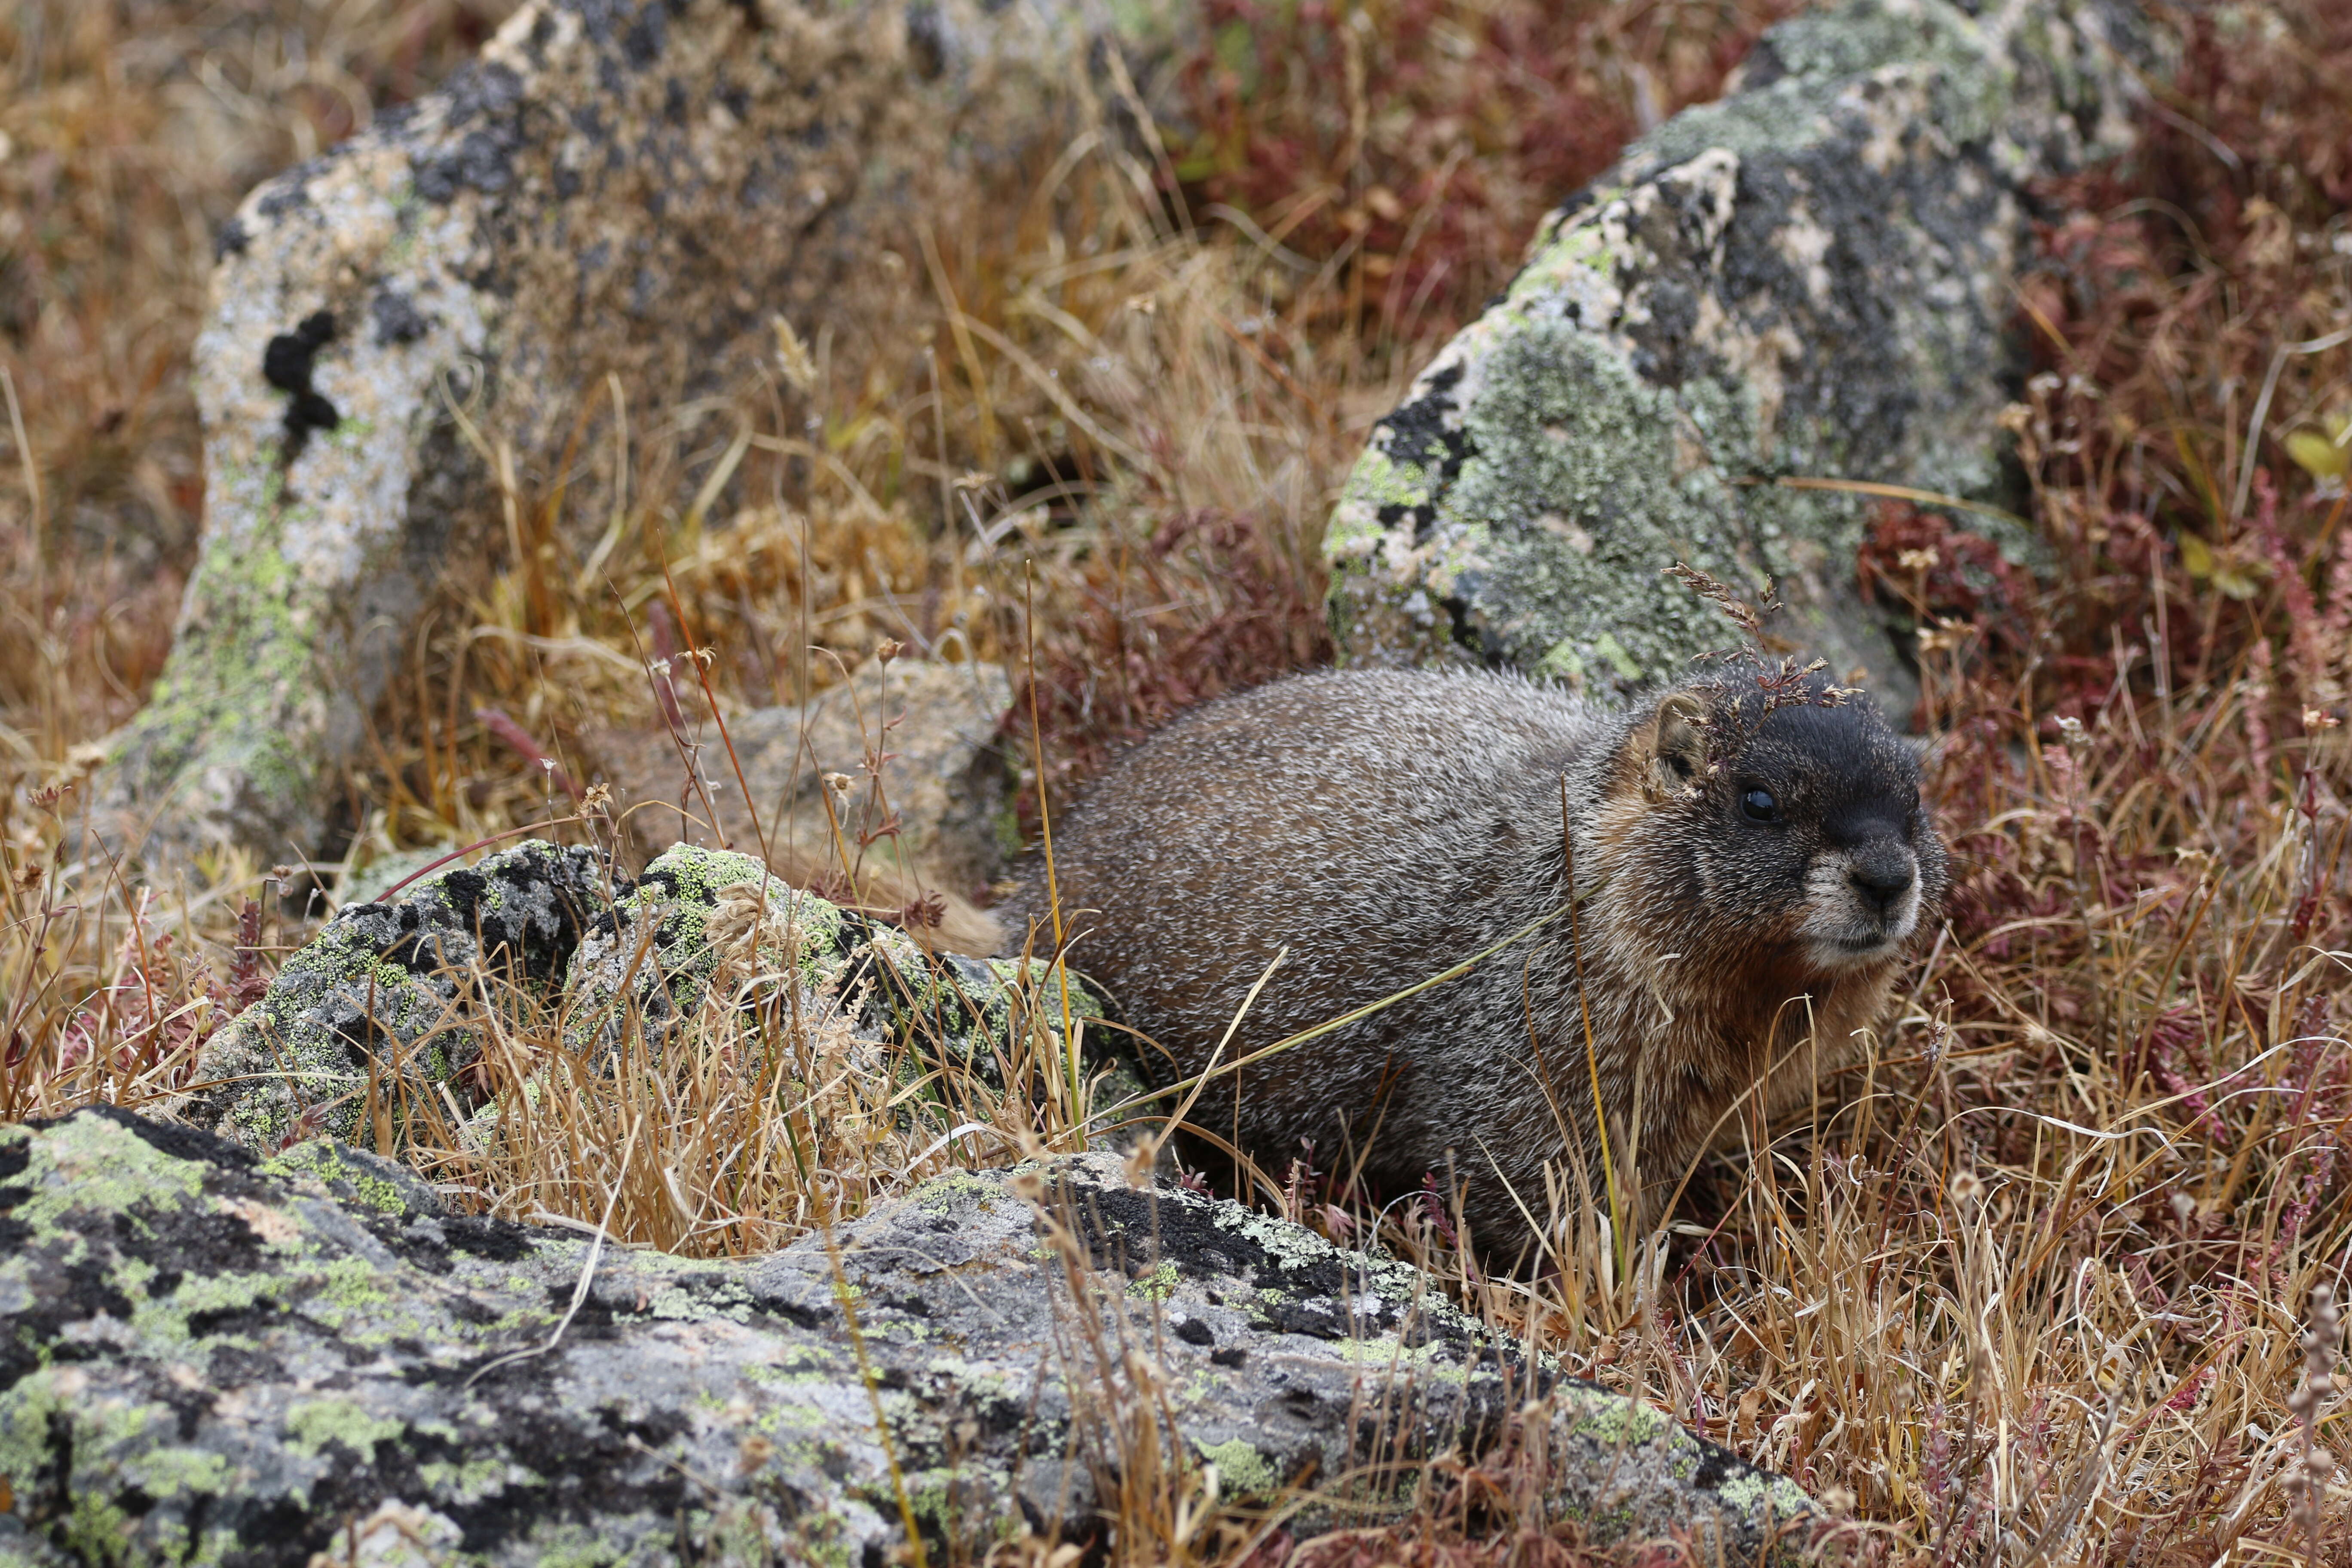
(1680, 743)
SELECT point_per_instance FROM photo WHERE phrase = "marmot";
(1753, 861)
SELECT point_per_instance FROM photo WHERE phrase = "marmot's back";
(1377, 825)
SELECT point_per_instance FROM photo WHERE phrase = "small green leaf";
(2236, 584)
(2317, 456)
(2197, 556)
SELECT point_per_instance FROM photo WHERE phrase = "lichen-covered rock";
(711, 927)
(1809, 278)
(943, 781)
(378, 1012)
(378, 997)
(207, 1358)
(696, 917)
(617, 192)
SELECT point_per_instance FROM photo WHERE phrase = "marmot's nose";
(1883, 876)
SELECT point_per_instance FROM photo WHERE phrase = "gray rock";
(379, 1009)
(1808, 278)
(711, 927)
(380, 994)
(209, 1358)
(628, 189)
(944, 777)
(380, 875)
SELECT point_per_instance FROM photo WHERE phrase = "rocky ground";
(206, 1356)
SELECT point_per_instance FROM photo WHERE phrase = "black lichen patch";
(286, 364)
(397, 318)
(1323, 1297)
(73, 1294)
(499, 1240)
(480, 92)
(1320, 1317)
(170, 1238)
(525, 909)
(1139, 1230)
(484, 158)
(47, 1501)
(666, 884)
(642, 44)
(1419, 434)
(291, 192)
(1714, 1464)
(1468, 627)
(238, 1322)
(584, 1466)
(592, 1315)
(293, 1530)
(483, 162)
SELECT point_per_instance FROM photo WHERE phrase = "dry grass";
(2031, 1291)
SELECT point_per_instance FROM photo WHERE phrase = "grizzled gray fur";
(1750, 869)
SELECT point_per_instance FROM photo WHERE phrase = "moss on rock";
(660, 936)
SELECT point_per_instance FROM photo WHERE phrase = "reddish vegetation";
(2145, 774)
(1109, 673)
(2204, 585)
(1411, 146)
(1399, 155)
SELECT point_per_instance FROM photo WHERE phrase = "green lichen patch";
(1761, 1494)
(701, 918)
(1158, 1285)
(653, 962)
(1242, 1471)
(243, 656)
(380, 1185)
(948, 1193)
(311, 1424)
(98, 1162)
(266, 1342)
(1614, 1419)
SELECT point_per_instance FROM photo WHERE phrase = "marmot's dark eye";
(1756, 805)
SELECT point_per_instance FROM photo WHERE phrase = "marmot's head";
(1790, 815)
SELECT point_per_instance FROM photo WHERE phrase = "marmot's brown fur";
(1753, 865)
